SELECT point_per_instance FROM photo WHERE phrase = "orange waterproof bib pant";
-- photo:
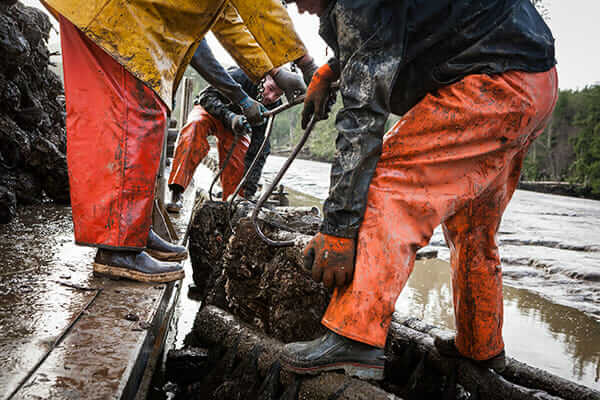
(454, 159)
(192, 147)
(115, 131)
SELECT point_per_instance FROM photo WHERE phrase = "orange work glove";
(331, 259)
(319, 95)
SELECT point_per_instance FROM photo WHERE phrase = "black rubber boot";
(162, 250)
(176, 203)
(334, 352)
(447, 347)
(137, 266)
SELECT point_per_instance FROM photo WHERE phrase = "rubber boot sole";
(361, 371)
(126, 273)
(166, 256)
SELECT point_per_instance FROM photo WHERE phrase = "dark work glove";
(239, 125)
(308, 67)
(331, 259)
(319, 96)
(253, 110)
(291, 83)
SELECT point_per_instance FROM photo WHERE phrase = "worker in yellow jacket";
(122, 61)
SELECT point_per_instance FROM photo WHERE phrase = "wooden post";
(187, 86)
(160, 220)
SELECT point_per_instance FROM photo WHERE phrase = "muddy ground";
(33, 165)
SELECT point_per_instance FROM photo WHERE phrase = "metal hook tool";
(270, 115)
(282, 171)
(273, 185)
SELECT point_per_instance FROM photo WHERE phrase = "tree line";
(568, 150)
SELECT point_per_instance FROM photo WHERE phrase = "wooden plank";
(109, 350)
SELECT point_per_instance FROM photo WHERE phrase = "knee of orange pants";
(442, 154)
(192, 146)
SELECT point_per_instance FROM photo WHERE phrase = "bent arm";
(213, 103)
(205, 63)
(234, 36)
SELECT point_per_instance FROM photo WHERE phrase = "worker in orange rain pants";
(475, 84)
(122, 63)
(192, 147)
(214, 115)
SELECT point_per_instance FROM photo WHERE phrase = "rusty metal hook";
(269, 191)
(270, 115)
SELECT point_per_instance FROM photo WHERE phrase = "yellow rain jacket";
(155, 39)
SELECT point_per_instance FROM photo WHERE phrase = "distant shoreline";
(559, 188)
(549, 187)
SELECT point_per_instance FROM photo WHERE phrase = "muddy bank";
(560, 188)
(266, 293)
(237, 361)
(32, 113)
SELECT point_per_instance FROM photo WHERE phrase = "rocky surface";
(32, 113)
(265, 286)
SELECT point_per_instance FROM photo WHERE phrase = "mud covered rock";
(32, 110)
(186, 365)
(269, 288)
(244, 363)
(208, 236)
(264, 286)
(8, 202)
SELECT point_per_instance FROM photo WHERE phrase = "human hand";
(253, 111)
(319, 97)
(308, 67)
(240, 125)
(331, 259)
(291, 84)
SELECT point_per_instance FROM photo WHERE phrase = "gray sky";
(573, 23)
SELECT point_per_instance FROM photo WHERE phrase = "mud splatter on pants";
(454, 159)
(192, 147)
(115, 132)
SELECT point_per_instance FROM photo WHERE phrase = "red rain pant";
(455, 160)
(192, 147)
(115, 131)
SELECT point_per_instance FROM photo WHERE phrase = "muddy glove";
(319, 96)
(253, 110)
(239, 125)
(307, 66)
(291, 83)
(331, 259)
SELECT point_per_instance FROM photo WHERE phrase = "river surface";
(550, 249)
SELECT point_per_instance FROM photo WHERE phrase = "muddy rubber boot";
(137, 266)
(162, 250)
(334, 352)
(176, 203)
(446, 347)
